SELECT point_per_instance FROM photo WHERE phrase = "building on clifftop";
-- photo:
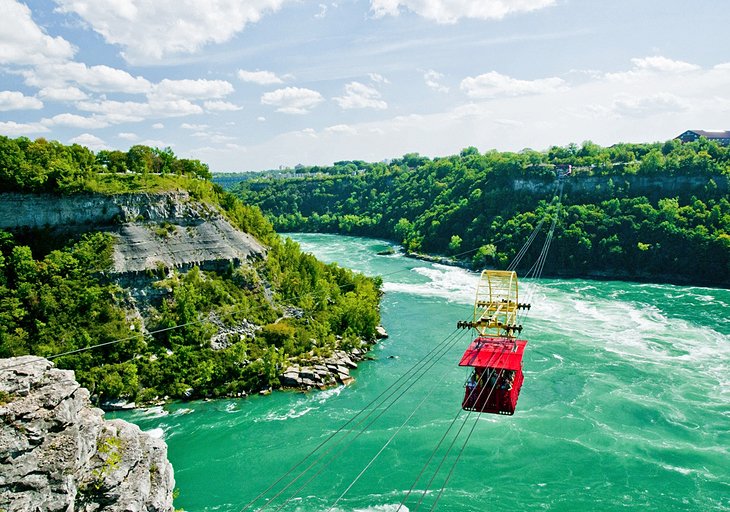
(721, 137)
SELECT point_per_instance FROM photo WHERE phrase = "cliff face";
(168, 229)
(633, 184)
(57, 453)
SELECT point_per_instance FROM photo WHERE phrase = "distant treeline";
(41, 165)
(643, 211)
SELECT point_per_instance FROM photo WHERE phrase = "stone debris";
(57, 453)
(323, 372)
(227, 336)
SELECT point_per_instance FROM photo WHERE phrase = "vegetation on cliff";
(291, 304)
(49, 166)
(656, 211)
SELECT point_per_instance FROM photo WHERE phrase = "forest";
(656, 211)
(60, 300)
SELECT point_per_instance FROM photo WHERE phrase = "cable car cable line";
(518, 257)
(372, 460)
(536, 270)
(402, 379)
(458, 433)
(433, 361)
(433, 453)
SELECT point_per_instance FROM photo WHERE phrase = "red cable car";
(495, 383)
(495, 355)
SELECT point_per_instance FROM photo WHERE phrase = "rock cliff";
(57, 453)
(168, 229)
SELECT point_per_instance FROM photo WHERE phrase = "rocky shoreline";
(322, 373)
(304, 374)
(325, 372)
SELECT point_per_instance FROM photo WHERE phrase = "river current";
(625, 405)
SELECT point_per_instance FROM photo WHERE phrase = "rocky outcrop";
(57, 453)
(330, 371)
(39, 211)
(324, 372)
(197, 242)
(168, 229)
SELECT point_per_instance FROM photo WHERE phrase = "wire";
(401, 380)
(443, 437)
(341, 451)
(372, 460)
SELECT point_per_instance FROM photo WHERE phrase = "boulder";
(59, 453)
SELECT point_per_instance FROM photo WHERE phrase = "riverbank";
(302, 374)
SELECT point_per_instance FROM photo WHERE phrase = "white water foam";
(451, 283)
(157, 433)
(154, 412)
(290, 414)
(325, 395)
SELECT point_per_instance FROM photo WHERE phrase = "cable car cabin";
(495, 383)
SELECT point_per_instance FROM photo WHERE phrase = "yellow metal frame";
(495, 307)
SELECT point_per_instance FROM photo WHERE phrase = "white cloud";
(99, 78)
(16, 100)
(23, 42)
(221, 106)
(155, 143)
(69, 93)
(128, 136)
(359, 95)
(664, 65)
(292, 100)
(259, 77)
(657, 65)
(158, 126)
(378, 78)
(132, 111)
(197, 127)
(261, 119)
(152, 30)
(75, 121)
(341, 128)
(433, 80)
(13, 129)
(90, 141)
(322, 11)
(192, 89)
(645, 106)
(450, 11)
(493, 84)
(216, 138)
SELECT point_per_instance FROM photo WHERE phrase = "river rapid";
(625, 405)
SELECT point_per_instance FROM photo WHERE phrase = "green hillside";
(63, 300)
(636, 211)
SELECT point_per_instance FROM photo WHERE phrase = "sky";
(260, 84)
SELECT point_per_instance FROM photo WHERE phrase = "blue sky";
(257, 84)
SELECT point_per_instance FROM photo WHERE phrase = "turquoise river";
(625, 405)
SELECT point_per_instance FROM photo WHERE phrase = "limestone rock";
(195, 234)
(57, 453)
